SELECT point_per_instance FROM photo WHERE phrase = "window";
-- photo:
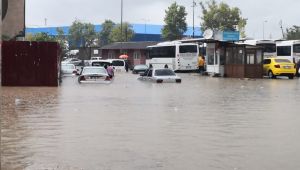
(284, 51)
(162, 52)
(187, 49)
(250, 59)
(296, 48)
(258, 56)
(164, 72)
(210, 56)
(137, 55)
(269, 48)
(267, 61)
(282, 61)
(118, 63)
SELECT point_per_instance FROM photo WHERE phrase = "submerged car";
(274, 67)
(162, 75)
(69, 69)
(140, 68)
(93, 74)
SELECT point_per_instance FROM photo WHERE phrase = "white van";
(118, 64)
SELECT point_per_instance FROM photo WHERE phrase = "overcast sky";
(260, 13)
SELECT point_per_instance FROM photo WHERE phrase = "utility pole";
(280, 24)
(121, 26)
(264, 28)
(194, 4)
(45, 22)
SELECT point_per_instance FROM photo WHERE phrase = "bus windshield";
(162, 52)
(283, 50)
(296, 48)
(187, 49)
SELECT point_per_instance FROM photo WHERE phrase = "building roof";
(128, 45)
(138, 29)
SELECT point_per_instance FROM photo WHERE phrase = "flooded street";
(202, 123)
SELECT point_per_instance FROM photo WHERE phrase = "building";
(143, 32)
(136, 51)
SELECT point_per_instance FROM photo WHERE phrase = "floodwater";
(203, 123)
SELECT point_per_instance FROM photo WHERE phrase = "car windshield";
(64, 67)
(140, 67)
(164, 72)
(282, 61)
(95, 70)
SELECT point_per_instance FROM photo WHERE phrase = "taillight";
(277, 66)
(159, 81)
(178, 80)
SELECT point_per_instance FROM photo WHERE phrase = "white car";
(69, 69)
(74, 61)
(94, 59)
(93, 74)
(162, 75)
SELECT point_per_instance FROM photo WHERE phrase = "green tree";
(293, 33)
(175, 22)
(106, 31)
(61, 38)
(124, 36)
(82, 34)
(221, 17)
(41, 36)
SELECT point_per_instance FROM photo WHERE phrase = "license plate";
(188, 67)
(286, 67)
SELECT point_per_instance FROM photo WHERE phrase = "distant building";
(142, 32)
(136, 51)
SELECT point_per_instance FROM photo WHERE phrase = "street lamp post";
(264, 28)
(194, 4)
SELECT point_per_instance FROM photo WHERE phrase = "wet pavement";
(202, 123)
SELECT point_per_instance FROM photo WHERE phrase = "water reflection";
(202, 123)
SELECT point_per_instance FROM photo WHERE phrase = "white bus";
(178, 56)
(289, 49)
(269, 46)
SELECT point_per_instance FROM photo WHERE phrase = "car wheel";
(271, 75)
(291, 76)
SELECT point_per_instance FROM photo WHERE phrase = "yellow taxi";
(279, 67)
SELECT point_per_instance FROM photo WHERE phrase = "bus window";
(187, 49)
(269, 48)
(162, 52)
(283, 50)
(296, 48)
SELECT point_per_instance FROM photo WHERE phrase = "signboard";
(231, 36)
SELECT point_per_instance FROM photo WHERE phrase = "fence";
(30, 63)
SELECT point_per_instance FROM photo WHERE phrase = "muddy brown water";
(202, 123)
